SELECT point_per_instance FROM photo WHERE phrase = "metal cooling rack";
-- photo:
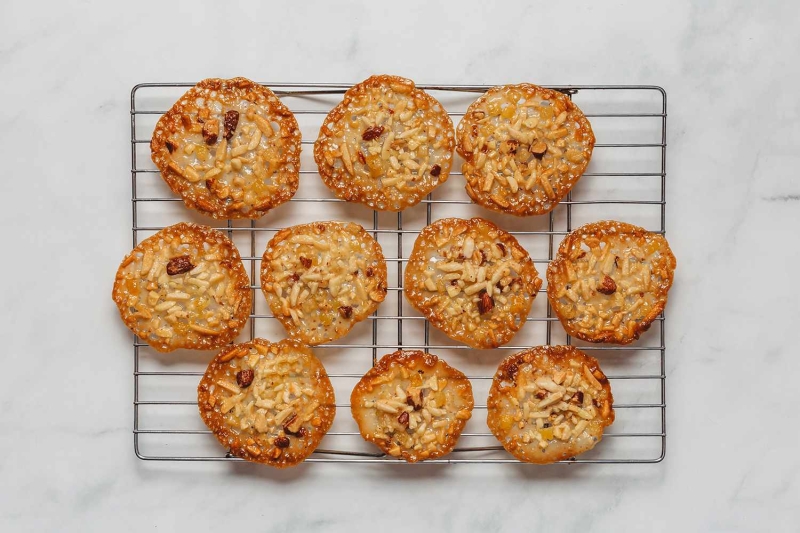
(166, 426)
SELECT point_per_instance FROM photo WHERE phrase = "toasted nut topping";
(211, 131)
(372, 133)
(485, 302)
(282, 442)
(305, 261)
(171, 145)
(231, 121)
(370, 272)
(179, 265)
(244, 378)
(403, 418)
(436, 170)
(539, 149)
(607, 286)
(346, 311)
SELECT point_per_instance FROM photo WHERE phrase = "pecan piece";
(372, 133)
(370, 272)
(599, 376)
(245, 377)
(578, 398)
(501, 247)
(305, 261)
(361, 158)
(414, 398)
(485, 302)
(538, 150)
(607, 286)
(346, 311)
(293, 425)
(282, 442)
(436, 170)
(179, 265)
(231, 121)
(295, 277)
(403, 418)
(512, 370)
(211, 131)
(171, 145)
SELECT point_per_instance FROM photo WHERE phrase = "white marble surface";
(731, 71)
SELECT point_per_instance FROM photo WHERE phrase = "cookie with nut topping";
(549, 403)
(471, 280)
(412, 405)
(267, 402)
(184, 287)
(524, 148)
(229, 148)
(386, 145)
(609, 281)
(320, 279)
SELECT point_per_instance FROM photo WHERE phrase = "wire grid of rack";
(166, 426)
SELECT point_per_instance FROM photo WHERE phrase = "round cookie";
(549, 403)
(184, 287)
(524, 148)
(471, 280)
(609, 281)
(320, 279)
(229, 148)
(267, 402)
(386, 145)
(412, 405)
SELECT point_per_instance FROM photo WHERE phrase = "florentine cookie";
(184, 287)
(320, 279)
(609, 281)
(549, 403)
(267, 402)
(524, 148)
(412, 405)
(386, 145)
(472, 280)
(229, 148)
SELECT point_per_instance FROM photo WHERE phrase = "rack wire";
(626, 180)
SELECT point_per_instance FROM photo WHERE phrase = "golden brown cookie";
(267, 402)
(320, 279)
(184, 287)
(524, 148)
(229, 148)
(609, 281)
(386, 145)
(549, 403)
(412, 405)
(472, 280)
